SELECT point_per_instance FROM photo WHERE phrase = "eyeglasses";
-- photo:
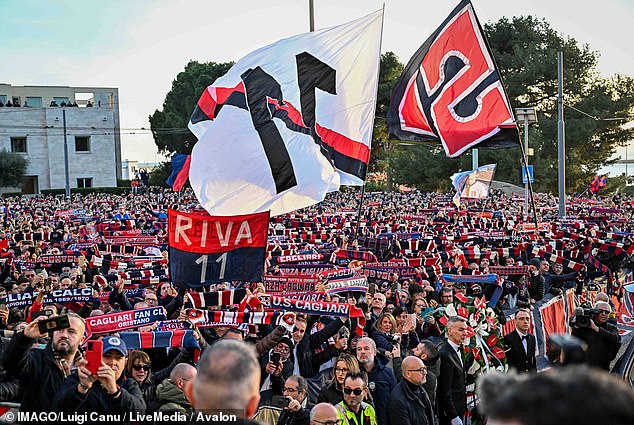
(333, 422)
(420, 305)
(140, 367)
(290, 390)
(356, 391)
(421, 370)
(604, 311)
(341, 370)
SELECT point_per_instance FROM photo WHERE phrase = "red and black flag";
(450, 91)
(180, 171)
(597, 184)
(208, 249)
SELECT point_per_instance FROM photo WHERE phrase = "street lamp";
(529, 116)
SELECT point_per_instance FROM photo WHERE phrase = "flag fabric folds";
(180, 171)
(473, 184)
(597, 184)
(206, 249)
(288, 122)
(450, 91)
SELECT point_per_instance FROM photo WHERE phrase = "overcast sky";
(140, 46)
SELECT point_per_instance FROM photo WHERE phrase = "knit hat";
(535, 262)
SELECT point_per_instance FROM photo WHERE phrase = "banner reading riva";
(207, 249)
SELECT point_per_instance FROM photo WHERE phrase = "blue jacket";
(381, 382)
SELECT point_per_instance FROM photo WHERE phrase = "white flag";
(289, 122)
(473, 184)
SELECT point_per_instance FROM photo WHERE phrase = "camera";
(583, 316)
(280, 401)
(393, 338)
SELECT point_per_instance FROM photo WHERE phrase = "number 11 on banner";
(203, 259)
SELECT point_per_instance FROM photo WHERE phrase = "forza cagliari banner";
(208, 249)
(450, 91)
(289, 122)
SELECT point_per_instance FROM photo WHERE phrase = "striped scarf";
(159, 339)
(209, 319)
(351, 254)
(556, 259)
(317, 308)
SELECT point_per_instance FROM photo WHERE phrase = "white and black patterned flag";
(289, 122)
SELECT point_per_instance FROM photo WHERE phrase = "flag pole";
(530, 188)
(376, 89)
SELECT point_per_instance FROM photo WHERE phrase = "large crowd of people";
(92, 324)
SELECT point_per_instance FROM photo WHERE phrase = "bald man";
(408, 403)
(324, 414)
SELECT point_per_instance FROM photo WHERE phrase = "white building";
(131, 168)
(36, 130)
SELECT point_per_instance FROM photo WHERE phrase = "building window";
(82, 143)
(84, 182)
(34, 102)
(60, 100)
(3, 99)
(18, 144)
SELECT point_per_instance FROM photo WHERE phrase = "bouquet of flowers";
(484, 346)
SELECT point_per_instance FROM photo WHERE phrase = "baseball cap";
(114, 343)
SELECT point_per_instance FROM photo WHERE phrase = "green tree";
(169, 126)
(525, 50)
(12, 169)
(390, 70)
(159, 175)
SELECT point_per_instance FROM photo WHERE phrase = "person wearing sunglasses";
(602, 337)
(408, 402)
(353, 410)
(332, 392)
(139, 368)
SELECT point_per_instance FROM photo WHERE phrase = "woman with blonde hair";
(384, 332)
(333, 391)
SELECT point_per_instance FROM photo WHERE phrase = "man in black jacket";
(381, 379)
(408, 403)
(306, 344)
(520, 345)
(427, 351)
(298, 410)
(452, 395)
(106, 392)
(602, 337)
(42, 372)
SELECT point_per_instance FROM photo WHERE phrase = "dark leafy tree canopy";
(169, 126)
(12, 169)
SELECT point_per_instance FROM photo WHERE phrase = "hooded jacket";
(172, 398)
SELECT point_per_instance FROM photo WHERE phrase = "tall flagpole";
(376, 89)
(561, 135)
(311, 15)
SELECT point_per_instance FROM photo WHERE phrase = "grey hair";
(456, 319)
(372, 342)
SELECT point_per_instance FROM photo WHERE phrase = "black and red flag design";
(450, 91)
